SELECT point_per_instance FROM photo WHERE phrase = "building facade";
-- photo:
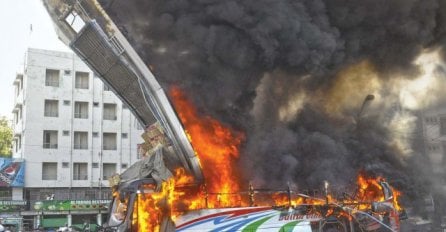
(434, 133)
(434, 130)
(72, 133)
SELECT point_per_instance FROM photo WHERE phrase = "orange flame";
(151, 208)
(217, 148)
(281, 199)
(370, 190)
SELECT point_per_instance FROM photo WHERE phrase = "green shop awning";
(54, 222)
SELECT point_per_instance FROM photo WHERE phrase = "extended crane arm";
(86, 28)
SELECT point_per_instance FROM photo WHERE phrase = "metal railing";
(115, 43)
(80, 177)
(49, 177)
(81, 85)
(51, 113)
(80, 146)
(109, 147)
(50, 145)
(80, 115)
(52, 83)
(110, 117)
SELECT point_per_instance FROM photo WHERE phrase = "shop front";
(10, 214)
(78, 214)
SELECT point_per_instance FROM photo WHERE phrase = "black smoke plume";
(247, 62)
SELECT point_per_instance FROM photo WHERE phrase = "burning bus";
(165, 201)
(187, 179)
(139, 205)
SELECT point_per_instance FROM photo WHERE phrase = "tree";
(5, 137)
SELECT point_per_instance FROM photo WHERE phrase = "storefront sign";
(61, 205)
(7, 206)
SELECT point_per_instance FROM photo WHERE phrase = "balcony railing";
(109, 147)
(51, 114)
(81, 85)
(50, 145)
(52, 83)
(110, 117)
(80, 146)
(80, 115)
(80, 177)
(49, 177)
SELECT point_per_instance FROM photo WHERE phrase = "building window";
(50, 139)
(124, 166)
(95, 104)
(49, 171)
(65, 164)
(17, 90)
(109, 111)
(108, 170)
(18, 143)
(80, 171)
(67, 72)
(443, 125)
(5, 194)
(433, 147)
(19, 139)
(16, 117)
(106, 87)
(51, 108)
(66, 133)
(80, 140)
(431, 120)
(81, 80)
(109, 141)
(95, 165)
(95, 134)
(66, 102)
(124, 135)
(80, 109)
(52, 78)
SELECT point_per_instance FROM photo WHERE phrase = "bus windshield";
(118, 211)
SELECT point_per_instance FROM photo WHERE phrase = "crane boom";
(85, 27)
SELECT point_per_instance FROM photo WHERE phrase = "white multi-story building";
(434, 141)
(72, 133)
(434, 131)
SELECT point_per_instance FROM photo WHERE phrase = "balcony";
(50, 113)
(17, 107)
(80, 146)
(49, 177)
(50, 146)
(110, 117)
(18, 84)
(81, 115)
(80, 177)
(110, 147)
(52, 83)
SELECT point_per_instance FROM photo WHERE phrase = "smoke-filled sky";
(293, 76)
